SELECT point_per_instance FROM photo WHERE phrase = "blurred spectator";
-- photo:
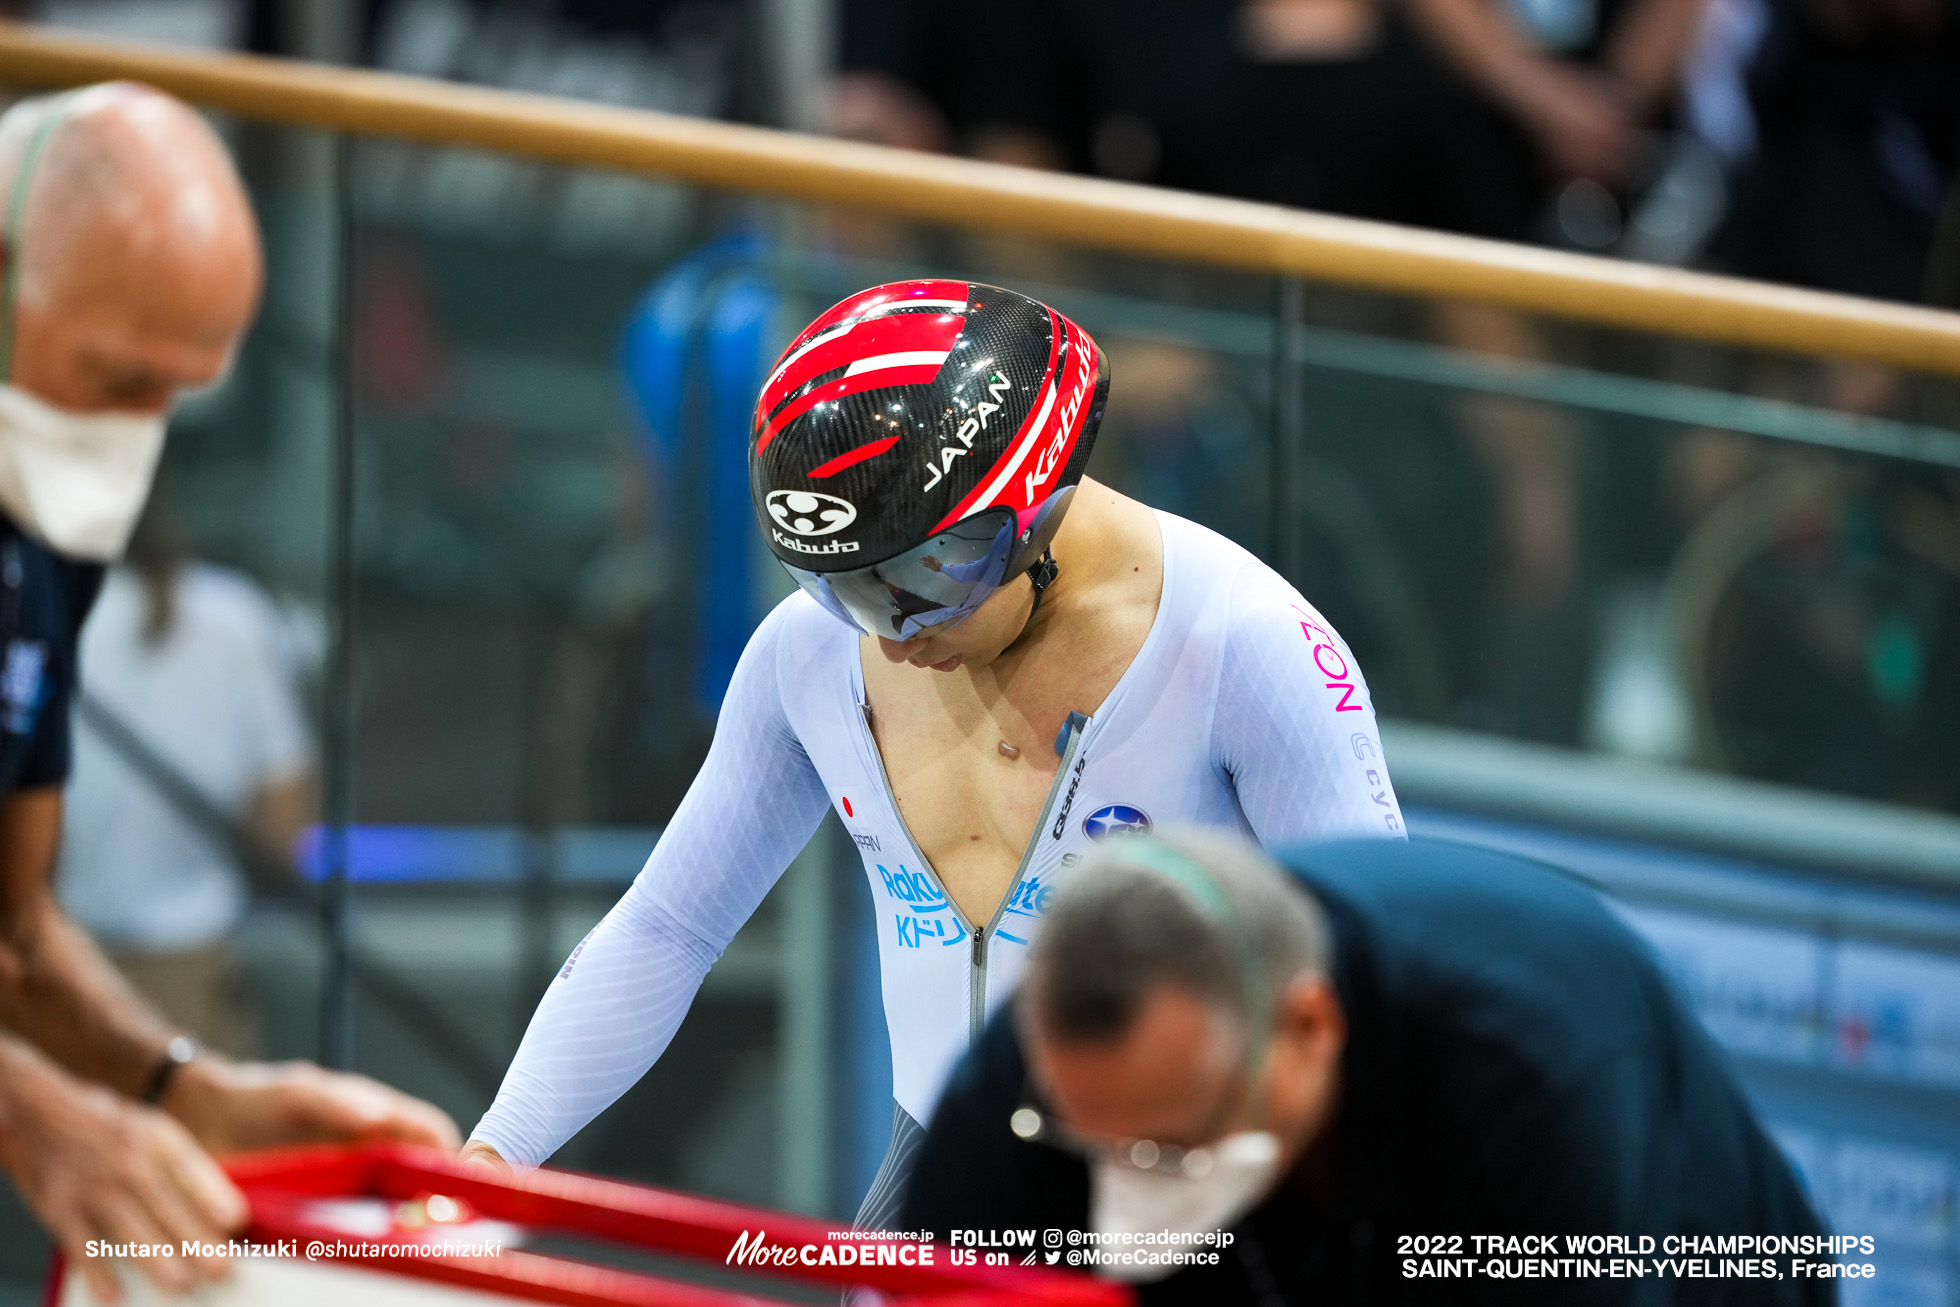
(1345, 106)
(190, 660)
(1586, 82)
(1943, 267)
(674, 55)
(1324, 104)
(1455, 114)
(901, 80)
(205, 24)
(1857, 113)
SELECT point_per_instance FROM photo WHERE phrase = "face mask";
(1126, 1199)
(74, 481)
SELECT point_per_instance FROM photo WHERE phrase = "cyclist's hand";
(482, 1157)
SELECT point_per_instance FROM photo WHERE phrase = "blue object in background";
(737, 338)
(425, 855)
(693, 352)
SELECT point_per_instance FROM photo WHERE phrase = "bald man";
(129, 269)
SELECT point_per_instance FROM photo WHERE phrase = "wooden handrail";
(966, 193)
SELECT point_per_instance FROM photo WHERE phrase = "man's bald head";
(138, 255)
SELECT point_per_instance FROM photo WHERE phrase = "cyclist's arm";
(621, 995)
(1294, 725)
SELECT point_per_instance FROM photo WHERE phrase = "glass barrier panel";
(539, 650)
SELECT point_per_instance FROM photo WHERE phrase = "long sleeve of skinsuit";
(1294, 724)
(619, 998)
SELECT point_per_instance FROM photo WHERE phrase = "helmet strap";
(1042, 574)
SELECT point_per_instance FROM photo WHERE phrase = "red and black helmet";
(917, 445)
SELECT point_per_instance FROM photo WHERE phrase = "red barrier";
(299, 1198)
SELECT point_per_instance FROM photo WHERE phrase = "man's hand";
(231, 1106)
(1582, 121)
(1585, 123)
(94, 1165)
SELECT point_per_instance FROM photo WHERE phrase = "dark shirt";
(43, 601)
(1516, 1064)
(1859, 132)
(1388, 133)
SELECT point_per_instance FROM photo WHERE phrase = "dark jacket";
(1516, 1064)
(43, 601)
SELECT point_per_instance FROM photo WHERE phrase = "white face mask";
(75, 481)
(1126, 1199)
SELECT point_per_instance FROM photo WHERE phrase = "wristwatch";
(176, 1053)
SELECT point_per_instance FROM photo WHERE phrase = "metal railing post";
(1288, 427)
(337, 990)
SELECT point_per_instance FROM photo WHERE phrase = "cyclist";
(992, 663)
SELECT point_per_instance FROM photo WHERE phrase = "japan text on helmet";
(918, 444)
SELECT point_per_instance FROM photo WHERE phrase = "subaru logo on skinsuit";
(808, 513)
(1116, 819)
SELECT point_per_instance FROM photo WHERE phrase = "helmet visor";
(933, 584)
